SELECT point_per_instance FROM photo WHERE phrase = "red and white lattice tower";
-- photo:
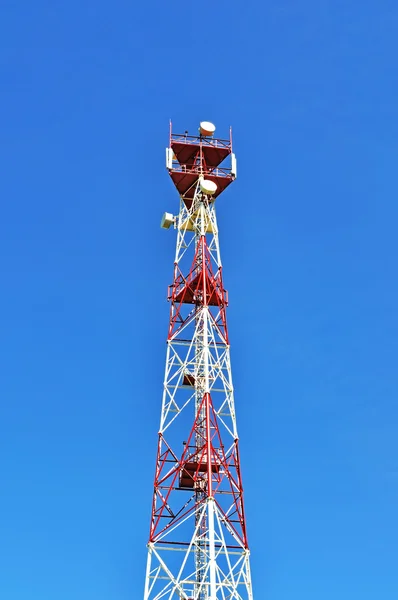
(198, 547)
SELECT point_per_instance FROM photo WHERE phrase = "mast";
(198, 547)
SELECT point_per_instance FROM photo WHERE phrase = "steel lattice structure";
(198, 547)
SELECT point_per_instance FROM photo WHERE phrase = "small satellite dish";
(208, 187)
(207, 129)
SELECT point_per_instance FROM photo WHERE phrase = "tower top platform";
(191, 157)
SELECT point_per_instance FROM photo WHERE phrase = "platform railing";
(199, 139)
(199, 170)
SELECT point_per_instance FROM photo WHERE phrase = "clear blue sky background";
(310, 253)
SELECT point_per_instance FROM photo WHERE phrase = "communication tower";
(198, 547)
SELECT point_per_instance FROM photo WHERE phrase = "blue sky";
(309, 248)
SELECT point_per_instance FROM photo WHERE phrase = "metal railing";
(201, 170)
(197, 140)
